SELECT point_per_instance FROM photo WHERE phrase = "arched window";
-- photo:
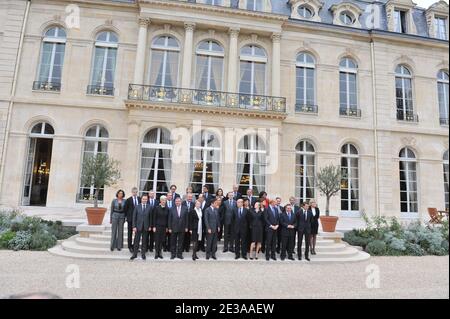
(95, 142)
(408, 181)
(305, 171)
(52, 60)
(348, 87)
(350, 179)
(42, 129)
(404, 94)
(164, 62)
(305, 79)
(252, 76)
(446, 178)
(443, 82)
(347, 18)
(209, 72)
(305, 11)
(251, 163)
(104, 64)
(156, 162)
(205, 161)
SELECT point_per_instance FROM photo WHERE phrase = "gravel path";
(400, 277)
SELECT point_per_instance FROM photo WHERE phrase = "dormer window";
(347, 18)
(306, 9)
(347, 14)
(305, 12)
(255, 5)
(400, 25)
(400, 16)
(440, 25)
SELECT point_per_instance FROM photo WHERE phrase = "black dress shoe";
(274, 258)
(133, 257)
(172, 257)
(112, 249)
(225, 250)
(131, 250)
(282, 259)
(207, 257)
(180, 257)
(268, 258)
(291, 258)
(214, 257)
(236, 257)
(144, 257)
(156, 257)
(194, 258)
(307, 258)
(161, 257)
(300, 258)
(119, 249)
(245, 258)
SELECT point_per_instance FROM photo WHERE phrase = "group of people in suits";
(247, 224)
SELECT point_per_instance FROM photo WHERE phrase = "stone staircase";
(96, 246)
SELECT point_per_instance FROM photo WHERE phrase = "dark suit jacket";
(302, 223)
(228, 212)
(237, 196)
(193, 220)
(252, 200)
(191, 205)
(212, 219)
(269, 218)
(208, 199)
(160, 217)
(155, 203)
(141, 217)
(129, 208)
(241, 225)
(178, 224)
(315, 220)
(285, 222)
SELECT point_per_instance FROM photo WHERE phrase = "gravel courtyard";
(400, 277)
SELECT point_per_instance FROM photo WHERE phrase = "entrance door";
(37, 168)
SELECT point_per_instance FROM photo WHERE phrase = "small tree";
(328, 182)
(99, 171)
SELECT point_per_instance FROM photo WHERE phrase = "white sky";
(426, 3)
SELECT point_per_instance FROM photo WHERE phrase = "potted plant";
(98, 171)
(329, 184)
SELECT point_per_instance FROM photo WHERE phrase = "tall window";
(304, 171)
(350, 178)
(164, 62)
(205, 161)
(348, 88)
(52, 60)
(104, 66)
(156, 162)
(255, 5)
(252, 75)
(446, 177)
(95, 142)
(443, 82)
(251, 164)
(440, 26)
(408, 181)
(214, 2)
(209, 73)
(400, 21)
(305, 76)
(404, 94)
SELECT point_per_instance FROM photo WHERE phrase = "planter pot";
(329, 223)
(95, 215)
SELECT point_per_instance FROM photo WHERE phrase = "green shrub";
(42, 240)
(355, 238)
(5, 237)
(376, 248)
(413, 249)
(21, 241)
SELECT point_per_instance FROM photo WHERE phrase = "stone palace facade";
(258, 93)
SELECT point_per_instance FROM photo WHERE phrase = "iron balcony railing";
(46, 86)
(408, 116)
(443, 121)
(306, 108)
(154, 93)
(350, 112)
(100, 90)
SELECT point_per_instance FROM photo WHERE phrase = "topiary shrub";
(42, 240)
(21, 241)
(5, 237)
(376, 248)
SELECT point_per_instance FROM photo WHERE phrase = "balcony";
(350, 112)
(100, 90)
(46, 86)
(306, 108)
(196, 100)
(407, 116)
(443, 121)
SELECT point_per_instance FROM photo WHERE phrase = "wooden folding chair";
(435, 217)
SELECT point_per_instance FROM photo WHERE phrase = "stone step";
(104, 242)
(73, 245)
(60, 251)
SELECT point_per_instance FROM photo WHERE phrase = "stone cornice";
(131, 104)
(93, 2)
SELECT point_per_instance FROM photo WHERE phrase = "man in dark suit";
(152, 202)
(288, 223)
(295, 207)
(280, 211)
(130, 204)
(252, 199)
(229, 204)
(236, 194)
(173, 190)
(272, 219)
(208, 197)
(141, 227)
(212, 224)
(189, 203)
(170, 202)
(240, 225)
(178, 226)
(304, 220)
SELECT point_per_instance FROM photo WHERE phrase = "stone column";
(276, 64)
(233, 60)
(139, 65)
(187, 56)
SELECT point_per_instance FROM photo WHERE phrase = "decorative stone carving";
(313, 5)
(409, 141)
